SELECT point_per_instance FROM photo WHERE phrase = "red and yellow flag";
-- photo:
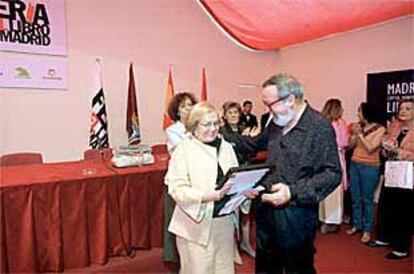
(169, 94)
(203, 86)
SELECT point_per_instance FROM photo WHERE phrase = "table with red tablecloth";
(69, 215)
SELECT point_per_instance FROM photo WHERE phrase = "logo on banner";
(24, 23)
(398, 91)
(386, 89)
(52, 75)
(22, 73)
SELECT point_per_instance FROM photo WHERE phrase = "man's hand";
(251, 132)
(280, 195)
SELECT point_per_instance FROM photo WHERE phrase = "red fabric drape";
(268, 25)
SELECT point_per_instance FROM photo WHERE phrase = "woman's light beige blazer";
(192, 172)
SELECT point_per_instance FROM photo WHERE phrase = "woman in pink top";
(331, 209)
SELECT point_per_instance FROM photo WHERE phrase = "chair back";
(107, 154)
(95, 154)
(159, 149)
(23, 158)
(91, 154)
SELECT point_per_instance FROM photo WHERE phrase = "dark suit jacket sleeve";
(250, 146)
(254, 121)
(263, 120)
(328, 172)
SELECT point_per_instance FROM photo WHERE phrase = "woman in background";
(364, 170)
(232, 133)
(331, 209)
(395, 222)
(205, 239)
(178, 111)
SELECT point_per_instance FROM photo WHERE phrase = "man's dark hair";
(247, 102)
(286, 85)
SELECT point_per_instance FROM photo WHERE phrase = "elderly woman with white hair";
(205, 239)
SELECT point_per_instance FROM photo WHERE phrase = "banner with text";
(386, 89)
(33, 72)
(34, 26)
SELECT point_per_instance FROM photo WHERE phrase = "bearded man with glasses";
(302, 147)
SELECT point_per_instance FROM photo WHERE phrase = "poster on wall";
(386, 89)
(33, 26)
(37, 73)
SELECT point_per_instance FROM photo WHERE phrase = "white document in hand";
(244, 180)
(236, 201)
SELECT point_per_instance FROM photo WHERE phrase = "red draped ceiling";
(273, 24)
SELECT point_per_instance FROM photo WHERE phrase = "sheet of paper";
(244, 180)
(236, 201)
(399, 174)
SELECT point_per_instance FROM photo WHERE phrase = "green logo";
(22, 73)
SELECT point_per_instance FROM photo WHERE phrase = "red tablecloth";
(70, 215)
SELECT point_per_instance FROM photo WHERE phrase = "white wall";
(152, 34)
(155, 34)
(337, 66)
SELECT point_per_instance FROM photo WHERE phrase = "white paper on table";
(236, 201)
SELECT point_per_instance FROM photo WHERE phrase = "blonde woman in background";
(331, 209)
(205, 239)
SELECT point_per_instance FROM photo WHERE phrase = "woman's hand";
(255, 131)
(389, 145)
(246, 131)
(216, 195)
(251, 193)
(357, 129)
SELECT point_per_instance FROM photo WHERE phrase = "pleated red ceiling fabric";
(273, 24)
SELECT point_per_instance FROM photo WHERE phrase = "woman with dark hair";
(393, 228)
(364, 170)
(331, 209)
(232, 132)
(232, 129)
(178, 110)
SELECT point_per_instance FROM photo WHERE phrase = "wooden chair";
(95, 154)
(23, 158)
(159, 149)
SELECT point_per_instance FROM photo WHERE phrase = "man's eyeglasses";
(269, 105)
